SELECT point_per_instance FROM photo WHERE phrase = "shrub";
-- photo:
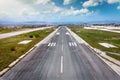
(31, 36)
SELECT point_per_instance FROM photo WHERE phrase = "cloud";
(56, 9)
(90, 3)
(28, 12)
(37, 9)
(66, 2)
(13, 8)
(42, 2)
(118, 7)
(51, 9)
(113, 1)
(72, 11)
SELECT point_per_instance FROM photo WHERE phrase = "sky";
(59, 10)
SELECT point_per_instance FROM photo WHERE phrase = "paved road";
(105, 29)
(10, 34)
(110, 30)
(62, 58)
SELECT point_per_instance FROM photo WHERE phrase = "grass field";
(114, 56)
(93, 37)
(10, 50)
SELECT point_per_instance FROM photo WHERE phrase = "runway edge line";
(96, 51)
(11, 65)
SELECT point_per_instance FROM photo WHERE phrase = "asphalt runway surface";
(62, 58)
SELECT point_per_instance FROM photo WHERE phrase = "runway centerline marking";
(61, 68)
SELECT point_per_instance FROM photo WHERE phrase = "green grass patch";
(93, 37)
(114, 56)
(10, 50)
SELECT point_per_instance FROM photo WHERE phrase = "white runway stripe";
(61, 68)
(75, 44)
(69, 43)
(52, 44)
(67, 33)
(72, 44)
(49, 44)
(57, 33)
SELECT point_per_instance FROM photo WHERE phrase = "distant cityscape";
(41, 24)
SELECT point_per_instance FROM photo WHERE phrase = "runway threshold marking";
(49, 44)
(61, 68)
(69, 44)
(57, 33)
(72, 44)
(75, 44)
(52, 44)
(67, 33)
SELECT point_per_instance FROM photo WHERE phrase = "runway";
(15, 33)
(61, 58)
